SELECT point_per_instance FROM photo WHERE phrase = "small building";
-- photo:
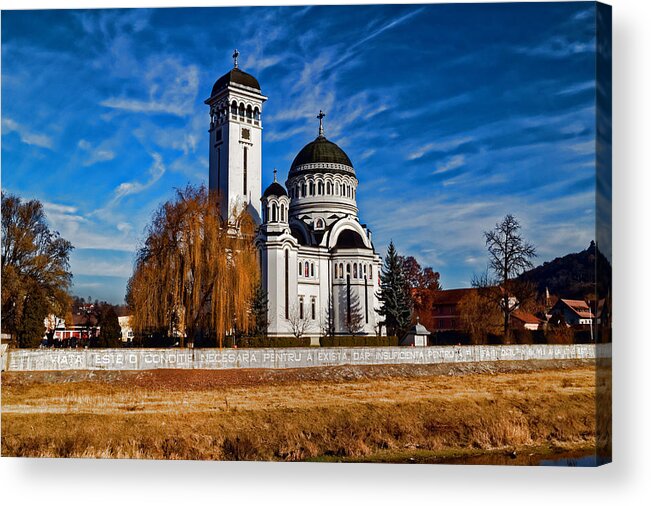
(573, 312)
(522, 320)
(416, 336)
(125, 328)
(445, 308)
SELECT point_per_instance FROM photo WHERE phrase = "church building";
(319, 267)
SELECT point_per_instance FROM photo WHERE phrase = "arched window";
(307, 270)
(329, 188)
(312, 269)
(355, 271)
(274, 212)
(364, 270)
(300, 268)
(303, 190)
(256, 116)
(249, 113)
(341, 270)
(336, 271)
(234, 108)
(370, 272)
(282, 212)
(242, 110)
(348, 270)
(311, 187)
(320, 188)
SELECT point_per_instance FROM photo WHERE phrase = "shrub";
(449, 338)
(330, 341)
(559, 334)
(267, 342)
(521, 336)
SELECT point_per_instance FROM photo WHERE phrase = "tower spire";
(321, 115)
(236, 54)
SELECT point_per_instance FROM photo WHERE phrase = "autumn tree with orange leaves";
(195, 276)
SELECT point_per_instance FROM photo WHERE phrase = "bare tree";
(479, 315)
(298, 324)
(509, 256)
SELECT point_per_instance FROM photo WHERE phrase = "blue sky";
(453, 115)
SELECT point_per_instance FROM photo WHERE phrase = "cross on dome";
(275, 172)
(236, 54)
(321, 115)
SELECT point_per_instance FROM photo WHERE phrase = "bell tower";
(235, 150)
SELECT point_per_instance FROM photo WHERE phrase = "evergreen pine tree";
(31, 330)
(110, 333)
(394, 295)
(260, 310)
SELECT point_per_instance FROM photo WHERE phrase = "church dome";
(275, 189)
(320, 150)
(235, 76)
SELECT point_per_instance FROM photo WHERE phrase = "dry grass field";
(353, 413)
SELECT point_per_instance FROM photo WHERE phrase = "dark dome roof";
(321, 150)
(275, 189)
(235, 76)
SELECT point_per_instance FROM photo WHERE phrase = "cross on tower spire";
(321, 115)
(236, 53)
(275, 172)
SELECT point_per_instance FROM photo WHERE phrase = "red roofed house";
(574, 312)
(523, 320)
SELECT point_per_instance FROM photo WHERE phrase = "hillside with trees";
(572, 276)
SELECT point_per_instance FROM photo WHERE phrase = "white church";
(318, 263)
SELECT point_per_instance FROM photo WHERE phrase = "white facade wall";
(278, 358)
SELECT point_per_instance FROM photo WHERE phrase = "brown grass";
(298, 420)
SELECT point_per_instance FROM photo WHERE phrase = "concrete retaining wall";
(279, 358)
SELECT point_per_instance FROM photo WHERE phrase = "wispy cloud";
(444, 145)
(156, 171)
(171, 88)
(558, 47)
(93, 154)
(83, 231)
(451, 163)
(26, 136)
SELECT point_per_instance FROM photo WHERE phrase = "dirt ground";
(196, 379)
(358, 413)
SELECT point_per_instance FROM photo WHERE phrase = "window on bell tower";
(245, 169)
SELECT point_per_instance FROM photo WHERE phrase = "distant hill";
(573, 276)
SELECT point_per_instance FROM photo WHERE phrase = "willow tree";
(195, 274)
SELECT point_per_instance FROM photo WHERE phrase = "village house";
(79, 332)
(447, 314)
(573, 312)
